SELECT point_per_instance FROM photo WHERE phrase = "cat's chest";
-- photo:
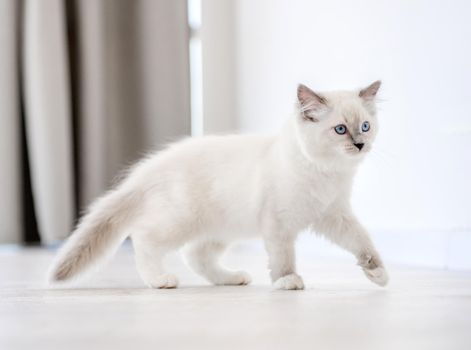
(310, 199)
(320, 193)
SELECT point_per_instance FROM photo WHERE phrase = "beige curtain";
(10, 154)
(89, 86)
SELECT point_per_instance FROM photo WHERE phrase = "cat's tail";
(98, 235)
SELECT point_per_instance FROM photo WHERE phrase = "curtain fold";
(134, 83)
(48, 117)
(102, 82)
(10, 121)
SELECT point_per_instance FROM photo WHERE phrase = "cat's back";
(195, 156)
(223, 145)
(214, 150)
(217, 174)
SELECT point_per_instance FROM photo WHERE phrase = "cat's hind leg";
(203, 257)
(149, 257)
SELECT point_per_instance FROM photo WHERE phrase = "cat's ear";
(369, 93)
(312, 105)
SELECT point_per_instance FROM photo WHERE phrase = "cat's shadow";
(199, 290)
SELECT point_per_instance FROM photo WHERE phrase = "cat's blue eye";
(340, 129)
(365, 126)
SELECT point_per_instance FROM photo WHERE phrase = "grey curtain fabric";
(88, 86)
(10, 154)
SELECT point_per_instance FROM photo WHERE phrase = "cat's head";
(339, 125)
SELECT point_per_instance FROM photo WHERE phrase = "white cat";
(206, 192)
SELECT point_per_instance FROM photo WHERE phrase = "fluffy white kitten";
(206, 192)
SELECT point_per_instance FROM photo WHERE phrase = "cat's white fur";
(206, 192)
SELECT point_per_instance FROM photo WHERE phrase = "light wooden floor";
(340, 309)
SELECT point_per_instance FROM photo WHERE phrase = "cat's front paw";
(373, 268)
(378, 275)
(289, 282)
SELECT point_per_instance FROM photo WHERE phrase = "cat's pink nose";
(359, 145)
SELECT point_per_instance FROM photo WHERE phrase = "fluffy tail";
(98, 235)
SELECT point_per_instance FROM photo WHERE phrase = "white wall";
(217, 39)
(418, 177)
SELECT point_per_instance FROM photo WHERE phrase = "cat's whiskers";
(384, 156)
